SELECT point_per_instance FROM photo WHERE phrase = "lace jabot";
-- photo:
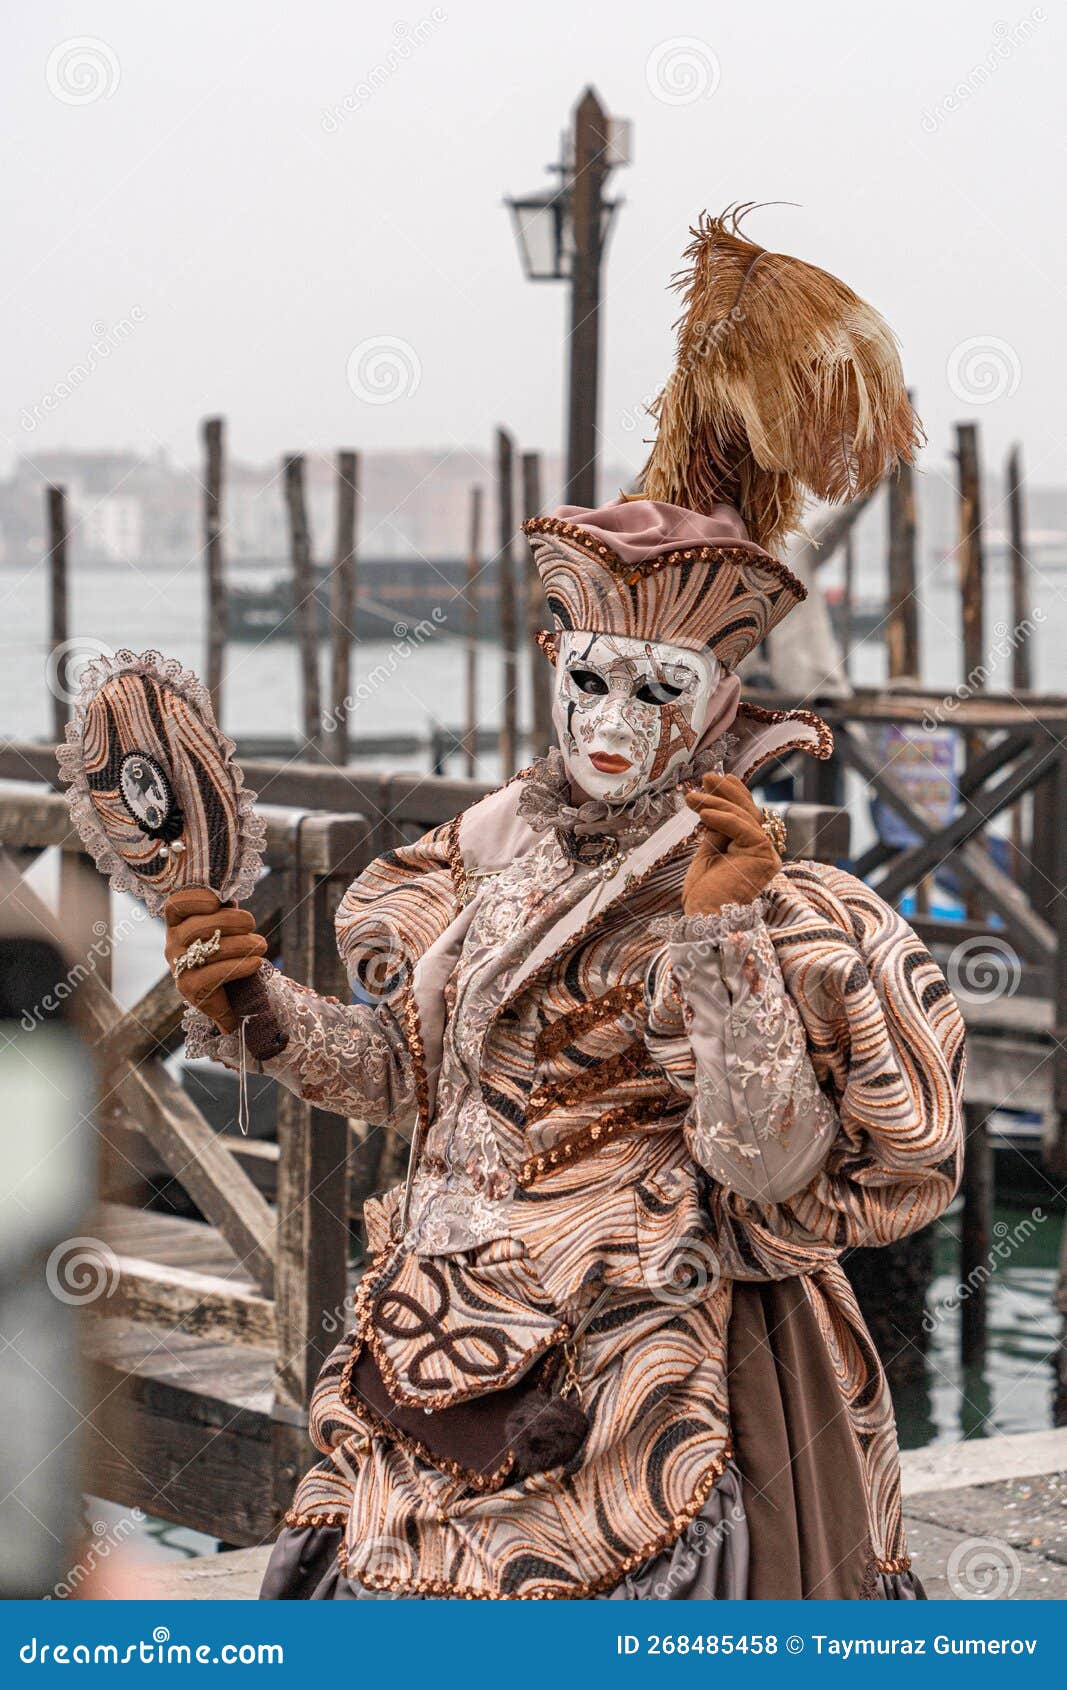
(545, 800)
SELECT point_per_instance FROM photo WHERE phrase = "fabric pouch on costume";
(443, 1330)
(470, 1440)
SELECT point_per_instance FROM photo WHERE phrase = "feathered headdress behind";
(785, 383)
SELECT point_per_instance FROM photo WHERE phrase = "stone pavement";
(986, 1518)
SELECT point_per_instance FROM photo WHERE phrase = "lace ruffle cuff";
(203, 1039)
(716, 926)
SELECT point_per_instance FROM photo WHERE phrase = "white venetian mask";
(627, 712)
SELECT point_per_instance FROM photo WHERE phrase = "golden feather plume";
(786, 383)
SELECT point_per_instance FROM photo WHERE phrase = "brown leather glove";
(734, 858)
(197, 914)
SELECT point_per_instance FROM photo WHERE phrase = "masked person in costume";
(658, 1081)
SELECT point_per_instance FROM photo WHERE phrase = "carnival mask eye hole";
(658, 692)
(588, 681)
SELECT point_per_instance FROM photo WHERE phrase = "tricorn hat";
(659, 572)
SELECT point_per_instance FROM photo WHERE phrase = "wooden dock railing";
(207, 1350)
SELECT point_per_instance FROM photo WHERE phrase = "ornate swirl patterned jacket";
(621, 1108)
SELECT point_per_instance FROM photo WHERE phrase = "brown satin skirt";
(802, 1484)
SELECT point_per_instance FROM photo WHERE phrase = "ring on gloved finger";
(774, 827)
(197, 953)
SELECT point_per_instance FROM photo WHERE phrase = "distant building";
(415, 504)
(110, 528)
(125, 507)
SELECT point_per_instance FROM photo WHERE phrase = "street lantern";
(540, 228)
(562, 233)
(544, 223)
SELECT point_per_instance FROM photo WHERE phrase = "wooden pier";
(203, 1353)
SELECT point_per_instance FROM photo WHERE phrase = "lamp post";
(562, 235)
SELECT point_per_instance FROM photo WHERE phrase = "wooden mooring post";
(1022, 678)
(972, 589)
(591, 142)
(472, 594)
(902, 625)
(536, 618)
(976, 1235)
(305, 606)
(971, 572)
(848, 600)
(59, 629)
(217, 609)
(1021, 666)
(894, 1281)
(343, 601)
(505, 493)
(83, 894)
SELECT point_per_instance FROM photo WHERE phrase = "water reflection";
(1013, 1390)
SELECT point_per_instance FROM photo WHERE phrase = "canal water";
(1012, 1391)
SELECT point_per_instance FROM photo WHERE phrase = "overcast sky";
(212, 206)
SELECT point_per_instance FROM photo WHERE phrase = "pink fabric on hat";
(636, 529)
